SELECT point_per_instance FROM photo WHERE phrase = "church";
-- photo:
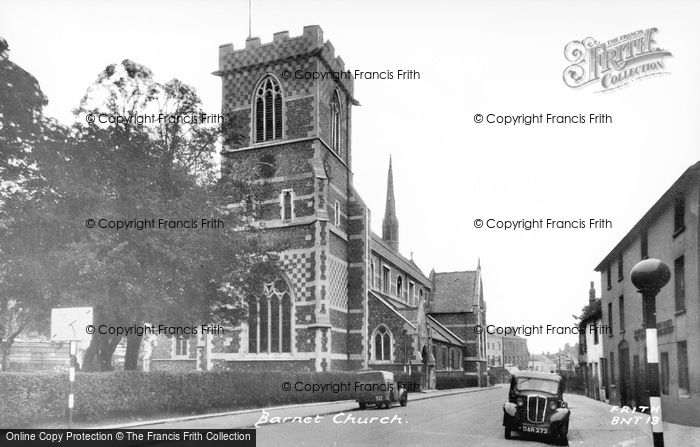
(345, 298)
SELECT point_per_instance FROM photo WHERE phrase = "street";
(431, 419)
(457, 420)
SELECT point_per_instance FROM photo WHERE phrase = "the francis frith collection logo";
(615, 63)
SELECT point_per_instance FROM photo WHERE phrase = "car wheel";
(404, 399)
(363, 405)
(506, 433)
(560, 436)
(387, 404)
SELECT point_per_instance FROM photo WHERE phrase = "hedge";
(28, 399)
(446, 383)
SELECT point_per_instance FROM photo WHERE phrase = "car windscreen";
(533, 384)
(371, 377)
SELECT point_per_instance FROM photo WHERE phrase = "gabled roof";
(393, 308)
(541, 358)
(443, 332)
(455, 292)
(408, 312)
(385, 251)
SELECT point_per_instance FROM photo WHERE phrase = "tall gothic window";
(382, 344)
(268, 110)
(335, 123)
(269, 319)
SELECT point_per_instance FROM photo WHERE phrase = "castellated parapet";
(283, 47)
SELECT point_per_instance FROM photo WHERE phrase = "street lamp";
(649, 276)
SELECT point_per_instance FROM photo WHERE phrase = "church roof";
(441, 333)
(385, 251)
(454, 292)
(401, 312)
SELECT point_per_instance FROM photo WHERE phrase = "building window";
(372, 273)
(382, 344)
(336, 214)
(620, 268)
(612, 368)
(399, 286)
(181, 346)
(420, 295)
(679, 282)
(335, 123)
(679, 214)
(411, 293)
(663, 365)
(444, 358)
(595, 334)
(268, 110)
(608, 276)
(683, 379)
(386, 275)
(621, 310)
(270, 319)
(604, 369)
(644, 245)
(610, 320)
(287, 205)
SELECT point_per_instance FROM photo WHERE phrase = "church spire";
(390, 224)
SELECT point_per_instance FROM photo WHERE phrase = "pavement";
(593, 423)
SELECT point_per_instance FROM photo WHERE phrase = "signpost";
(70, 324)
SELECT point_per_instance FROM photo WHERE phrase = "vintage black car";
(379, 388)
(536, 406)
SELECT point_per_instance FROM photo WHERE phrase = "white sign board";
(69, 323)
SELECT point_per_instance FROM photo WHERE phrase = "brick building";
(515, 352)
(668, 231)
(458, 304)
(345, 298)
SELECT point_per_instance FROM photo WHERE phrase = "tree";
(163, 170)
(30, 260)
(123, 171)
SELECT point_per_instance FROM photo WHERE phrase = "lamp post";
(649, 276)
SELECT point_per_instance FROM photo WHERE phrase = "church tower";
(390, 224)
(286, 107)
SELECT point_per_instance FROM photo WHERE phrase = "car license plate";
(378, 398)
(536, 430)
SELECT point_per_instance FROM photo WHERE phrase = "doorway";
(625, 380)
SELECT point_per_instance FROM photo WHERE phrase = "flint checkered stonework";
(297, 266)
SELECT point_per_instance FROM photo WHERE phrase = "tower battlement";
(310, 42)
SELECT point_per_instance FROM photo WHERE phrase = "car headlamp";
(519, 401)
(552, 405)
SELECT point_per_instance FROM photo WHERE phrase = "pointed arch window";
(268, 110)
(382, 344)
(335, 123)
(269, 319)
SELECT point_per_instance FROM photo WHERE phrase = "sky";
(496, 57)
